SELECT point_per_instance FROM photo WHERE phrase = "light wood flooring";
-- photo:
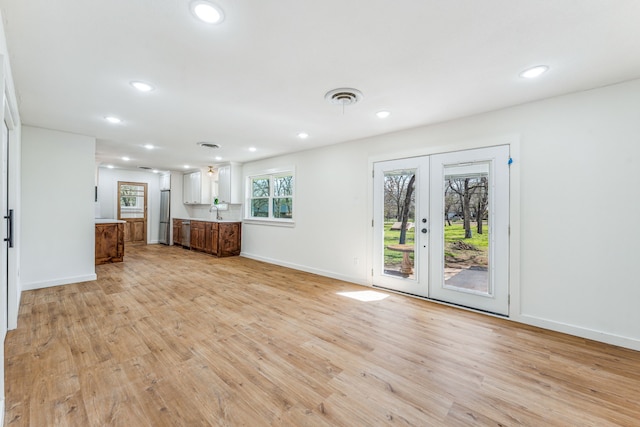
(176, 338)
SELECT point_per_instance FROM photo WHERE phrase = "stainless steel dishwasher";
(186, 233)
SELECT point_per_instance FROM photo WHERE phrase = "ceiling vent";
(208, 145)
(145, 167)
(343, 96)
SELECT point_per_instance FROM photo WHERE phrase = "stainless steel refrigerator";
(165, 219)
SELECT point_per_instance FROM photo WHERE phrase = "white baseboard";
(2, 412)
(306, 269)
(57, 282)
(578, 331)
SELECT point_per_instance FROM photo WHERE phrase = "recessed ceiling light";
(149, 146)
(142, 86)
(112, 119)
(252, 149)
(207, 12)
(155, 171)
(383, 114)
(126, 159)
(218, 158)
(186, 166)
(303, 135)
(110, 166)
(533, 72)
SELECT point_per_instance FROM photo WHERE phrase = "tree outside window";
(260, 197)
(283, 197)
(271, 196)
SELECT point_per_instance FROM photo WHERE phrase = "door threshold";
(450, 304)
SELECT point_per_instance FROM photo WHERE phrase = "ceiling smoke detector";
(344, 96)
(208, 145)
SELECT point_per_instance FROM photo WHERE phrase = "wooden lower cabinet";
(109, 242)
(177, 232)
(216, 238)
(208, 237)
(197, 235)
(229, 238)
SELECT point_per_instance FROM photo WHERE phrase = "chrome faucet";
(213, 205)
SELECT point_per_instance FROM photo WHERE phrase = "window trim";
(269, 220)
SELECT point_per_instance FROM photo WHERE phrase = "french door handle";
(9, 219)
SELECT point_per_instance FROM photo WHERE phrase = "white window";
(271, 197)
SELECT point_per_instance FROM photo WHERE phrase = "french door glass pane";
(467, 228)
(399, 219)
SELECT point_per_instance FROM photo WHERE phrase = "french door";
(441, 227)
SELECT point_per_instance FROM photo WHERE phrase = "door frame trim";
(440, 147)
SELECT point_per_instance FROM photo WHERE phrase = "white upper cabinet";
(229, 188)
(196, 188)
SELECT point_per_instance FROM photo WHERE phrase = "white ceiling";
(260, 77)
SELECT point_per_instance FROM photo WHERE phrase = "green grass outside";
(392, 237)
(452, 233)
(455, 232)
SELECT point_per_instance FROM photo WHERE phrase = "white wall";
(578, 238)
(330, 213)
(57, 217)
(108, 196)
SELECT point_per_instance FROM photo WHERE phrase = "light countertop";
(108, 221)
(210, 220)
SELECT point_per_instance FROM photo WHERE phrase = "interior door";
(470, 228)
(441, 227)
(401, 205)
(4, 207)
(132, 208)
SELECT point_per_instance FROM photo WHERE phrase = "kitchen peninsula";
(109, 241)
